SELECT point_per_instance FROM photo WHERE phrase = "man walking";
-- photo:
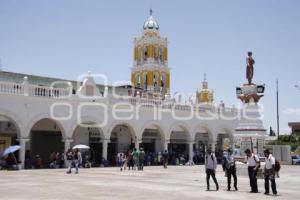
(165, 158)
(211, 166)
(230, 169)
(77, 159)
(253, 166)
(270, 173)
(69, 161)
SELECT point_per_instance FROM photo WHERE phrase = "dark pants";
(141, 164)
(231, 172)
(210, 172)
(165, 163)
(130, 164)
(269, 178)
(253, 180)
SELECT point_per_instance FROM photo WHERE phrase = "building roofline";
(51, 78)
(294, 124)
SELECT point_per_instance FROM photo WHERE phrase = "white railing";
(49, 92)
(11, 88)
(32, 90)
(150, 103)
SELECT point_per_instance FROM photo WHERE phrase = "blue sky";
(65, 38)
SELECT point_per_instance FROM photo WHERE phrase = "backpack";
(277, 165)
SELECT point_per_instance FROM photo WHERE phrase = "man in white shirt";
(270, 173)
(253, 166)
(211, 166)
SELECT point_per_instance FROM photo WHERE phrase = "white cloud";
(291, 111)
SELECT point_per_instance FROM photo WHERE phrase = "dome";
(151, 23)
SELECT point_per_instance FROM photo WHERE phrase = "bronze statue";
(250, 70)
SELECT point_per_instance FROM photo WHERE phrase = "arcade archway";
(224, 142)
(153, 139)
(8, 133)
(93, 137)
(179, 145)
(46, 138)
(122, 139)
(201, 146)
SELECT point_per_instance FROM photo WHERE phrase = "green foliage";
(290, 140)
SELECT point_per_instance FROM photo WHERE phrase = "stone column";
(68, 143)
(26, 86)
(22, 151)
(67, 147)
(166, 143)
(104, 148)
(213, 146)
(137, 143)
(191, 152)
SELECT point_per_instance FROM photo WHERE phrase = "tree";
(290, 140)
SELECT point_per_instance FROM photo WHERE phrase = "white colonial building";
(46, 114)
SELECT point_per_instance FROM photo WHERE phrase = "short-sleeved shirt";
(135, 155)
(211, 162)
(142, 155)
(70, 155)
(270, 161)
(251, 161)
(230, 160)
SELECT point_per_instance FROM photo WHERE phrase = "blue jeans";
(76, 163)
(70, 164)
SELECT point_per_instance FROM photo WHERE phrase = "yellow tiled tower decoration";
(205, 95)
(150, 71)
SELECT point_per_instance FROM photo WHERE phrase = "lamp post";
(297, 140)
(277, 105)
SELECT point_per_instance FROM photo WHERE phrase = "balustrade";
(49, 92)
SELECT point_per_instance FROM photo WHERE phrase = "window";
(145, 81)
(138, 80)
(161, 55)
(145, 53)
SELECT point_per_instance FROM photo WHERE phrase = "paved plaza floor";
(176, 182)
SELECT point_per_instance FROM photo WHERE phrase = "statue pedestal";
(250, 131)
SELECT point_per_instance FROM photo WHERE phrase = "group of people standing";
(135, 159)
(253, 163)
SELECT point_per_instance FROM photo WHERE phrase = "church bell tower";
(205, 95)
(150, 71)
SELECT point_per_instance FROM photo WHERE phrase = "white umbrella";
(81, 146)
(11, 149)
